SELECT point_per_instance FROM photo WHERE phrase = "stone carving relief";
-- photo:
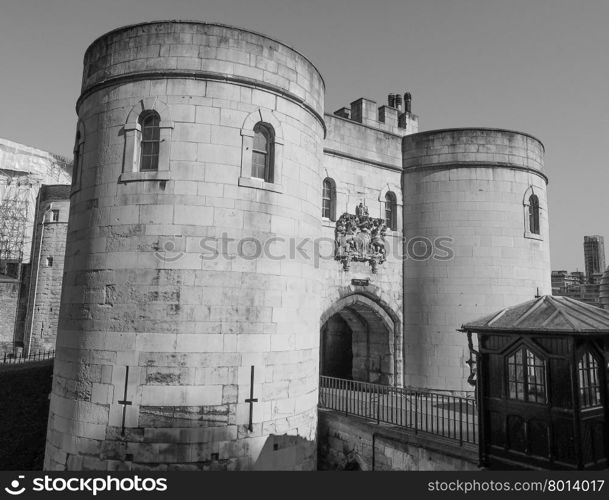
(360, 238)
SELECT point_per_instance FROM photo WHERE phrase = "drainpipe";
(29, 344)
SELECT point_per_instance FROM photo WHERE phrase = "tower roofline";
(481, 129)
(203, 23)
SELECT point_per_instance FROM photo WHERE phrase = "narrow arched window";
(589, 381)
(534, 214)
(78, 154)
(390, 211)
(328, 199)
(150, 140)
(262, 154)
(526, 376)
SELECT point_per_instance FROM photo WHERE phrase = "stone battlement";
(393, 117)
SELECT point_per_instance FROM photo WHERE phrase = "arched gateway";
(361, 340)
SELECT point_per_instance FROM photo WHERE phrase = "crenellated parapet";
(396, 116)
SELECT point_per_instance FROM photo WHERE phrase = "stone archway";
(360, 341)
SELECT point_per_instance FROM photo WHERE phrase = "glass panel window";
(78, 153)
(262, 155)
(589, 383)
(536, 369)
(151, 136)
(534, 214)
(326, 199)
(390, 208)
(258, 164)
(526, 374)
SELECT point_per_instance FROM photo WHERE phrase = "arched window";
(77, 156)
(150, 140)
(328, 199)
(148, 131)
(390, 211)
(79, 146)
(589, 381)
(526, 376)
(262, 152)
(534, 214)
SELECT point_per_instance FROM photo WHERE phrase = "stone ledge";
(533, 236)
(153, 175)
(256, 183)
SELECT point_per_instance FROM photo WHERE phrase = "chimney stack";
(398, 101)
(408, 102)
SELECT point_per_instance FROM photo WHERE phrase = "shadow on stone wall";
(286, 453)
(24, 410)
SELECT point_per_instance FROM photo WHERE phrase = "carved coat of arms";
(360, 238)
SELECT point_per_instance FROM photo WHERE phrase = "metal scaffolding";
(14, 212)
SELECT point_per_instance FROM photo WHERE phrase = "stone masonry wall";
(365, 163)
(469, 187)
(9, 295)
(48, 253)
(145, 291)
(352, 443)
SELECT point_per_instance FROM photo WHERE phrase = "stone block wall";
(467, 190)
(185, 277)
(352, 443)
(48, 251)
(9, 297)
(179, 280)
(365, 163)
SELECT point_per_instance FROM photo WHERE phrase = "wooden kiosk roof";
(547, 313)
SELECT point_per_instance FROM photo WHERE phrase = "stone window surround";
(132, 129)
(525, 202)
(397, 193)
(333, 203)
(79, 150)
(247, 133)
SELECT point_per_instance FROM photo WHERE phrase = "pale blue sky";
(539, 66)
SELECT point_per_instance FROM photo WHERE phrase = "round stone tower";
(50, 229)
(476, 229)
(188, 333)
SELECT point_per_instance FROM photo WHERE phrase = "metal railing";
(449, 416)
(9, 358)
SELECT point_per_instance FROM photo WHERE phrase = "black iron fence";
(449, 416)
(9, 358)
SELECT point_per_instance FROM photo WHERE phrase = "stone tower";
(47, 257)
(185, 340)
(479, 197)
